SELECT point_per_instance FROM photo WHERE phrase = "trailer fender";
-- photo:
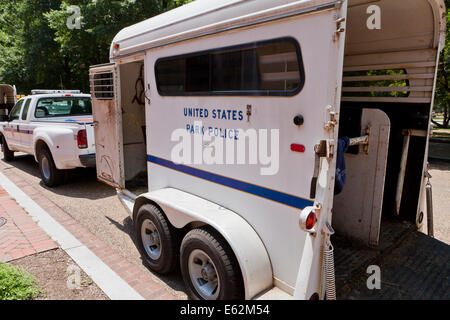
(182, 208)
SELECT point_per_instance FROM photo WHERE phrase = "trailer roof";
(203, 17)
(200, 17)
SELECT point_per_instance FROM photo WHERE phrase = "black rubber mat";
(352, 258)
(413, 266)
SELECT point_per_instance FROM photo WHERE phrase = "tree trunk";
(446, 119)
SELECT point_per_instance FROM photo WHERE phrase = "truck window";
(25, 109)
(63, 107)
(269, 68)
(15, 112)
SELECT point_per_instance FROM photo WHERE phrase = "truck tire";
(209, 267)
(8, 155)
(157, 240)
(51, 176)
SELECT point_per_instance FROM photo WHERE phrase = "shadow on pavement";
(437, 164)
(79, 183)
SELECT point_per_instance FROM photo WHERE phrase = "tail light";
(315, 297)
(82, 139)
(311, 221)
(308, 219)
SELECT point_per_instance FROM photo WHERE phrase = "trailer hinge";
(325, 149)
(333, 118)
(339, 28)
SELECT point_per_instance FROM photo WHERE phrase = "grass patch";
(17, 284)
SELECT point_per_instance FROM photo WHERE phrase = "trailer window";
(103, 86)
(271, 68)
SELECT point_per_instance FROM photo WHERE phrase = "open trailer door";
(107, 124)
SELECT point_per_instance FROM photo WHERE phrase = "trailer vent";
(388, 81)
(376, 83)
(102, 85)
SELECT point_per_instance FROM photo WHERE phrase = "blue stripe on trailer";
(273, 195)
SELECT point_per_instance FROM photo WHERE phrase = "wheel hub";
(203, 274)
(208, 273)
(151, 239)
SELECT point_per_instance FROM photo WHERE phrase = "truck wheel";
(49, 173)
(8, 155)
(209, 267)
(157, 240)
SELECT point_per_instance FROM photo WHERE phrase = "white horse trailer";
(8, 98)
(248, 76)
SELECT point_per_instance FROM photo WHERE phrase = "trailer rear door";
(107, 124)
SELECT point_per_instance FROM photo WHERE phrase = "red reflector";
(311, 221)
(314, 297)
(82, 139)
(297, 147)
(420, 217)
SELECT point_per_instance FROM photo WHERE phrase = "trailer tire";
(157, 240)
(207, 260)
(8, 155)
(51, 176)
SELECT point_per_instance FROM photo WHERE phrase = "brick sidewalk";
(20, 236)
(146, 284)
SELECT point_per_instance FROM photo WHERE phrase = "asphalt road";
(98, 208)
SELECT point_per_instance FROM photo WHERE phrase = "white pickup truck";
(54, 126)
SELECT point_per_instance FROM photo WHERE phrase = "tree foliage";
(38, 50)
(442, 101)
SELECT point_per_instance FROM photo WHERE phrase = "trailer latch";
(324, 149)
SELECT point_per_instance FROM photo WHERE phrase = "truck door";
(12, 129)
(107, 122)
(25, 129)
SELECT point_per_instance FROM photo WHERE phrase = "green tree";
(38, 50)
(101, 21)
(442, 100)
(29, 56)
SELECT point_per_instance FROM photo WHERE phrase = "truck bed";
(413, 265)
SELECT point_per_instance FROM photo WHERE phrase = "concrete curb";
(111, 284)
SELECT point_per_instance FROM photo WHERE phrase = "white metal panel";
(108, 132)
(276, 223)
(357, 209)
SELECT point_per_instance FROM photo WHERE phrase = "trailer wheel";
(209, 267)
(51, 175)
(157, 240)
(8, 155)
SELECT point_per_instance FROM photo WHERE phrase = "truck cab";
(54, 126)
